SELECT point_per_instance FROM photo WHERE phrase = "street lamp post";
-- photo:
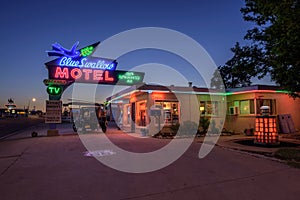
(33, 100)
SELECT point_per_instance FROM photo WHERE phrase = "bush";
(213, 128)
(203, 125)
(167, 131)
(188, 128)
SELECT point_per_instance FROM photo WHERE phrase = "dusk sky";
(30, 27)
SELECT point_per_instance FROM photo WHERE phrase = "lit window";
(247, 107)
(266, 102)
(209, 107)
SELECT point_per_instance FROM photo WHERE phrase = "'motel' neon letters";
(86, 63)
(83, 74)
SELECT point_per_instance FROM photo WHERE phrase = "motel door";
(133, 117)
(142, 118)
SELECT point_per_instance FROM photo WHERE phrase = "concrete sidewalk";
(230, 142)
(57, 168)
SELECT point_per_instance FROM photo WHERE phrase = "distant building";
(11, 110)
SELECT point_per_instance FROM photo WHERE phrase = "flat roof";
(254, 87)
(194, 89)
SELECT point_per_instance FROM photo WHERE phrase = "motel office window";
(246, 107)
(170, 111)
(249, 107)
(242, 107)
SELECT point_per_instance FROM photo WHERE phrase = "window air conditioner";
(233, 110)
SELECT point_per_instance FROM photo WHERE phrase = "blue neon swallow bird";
(58, 50)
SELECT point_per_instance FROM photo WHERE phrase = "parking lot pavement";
(41, 130)
(58, 168)
(11, 126)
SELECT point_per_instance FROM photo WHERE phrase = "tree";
(274, 45)
(238, 71)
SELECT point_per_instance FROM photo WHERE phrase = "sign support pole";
(53, 131)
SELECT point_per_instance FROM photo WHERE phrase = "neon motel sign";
(80, 66)
(95, 76)
(88, 63)
(80, 75)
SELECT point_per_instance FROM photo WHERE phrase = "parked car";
(88, 118)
